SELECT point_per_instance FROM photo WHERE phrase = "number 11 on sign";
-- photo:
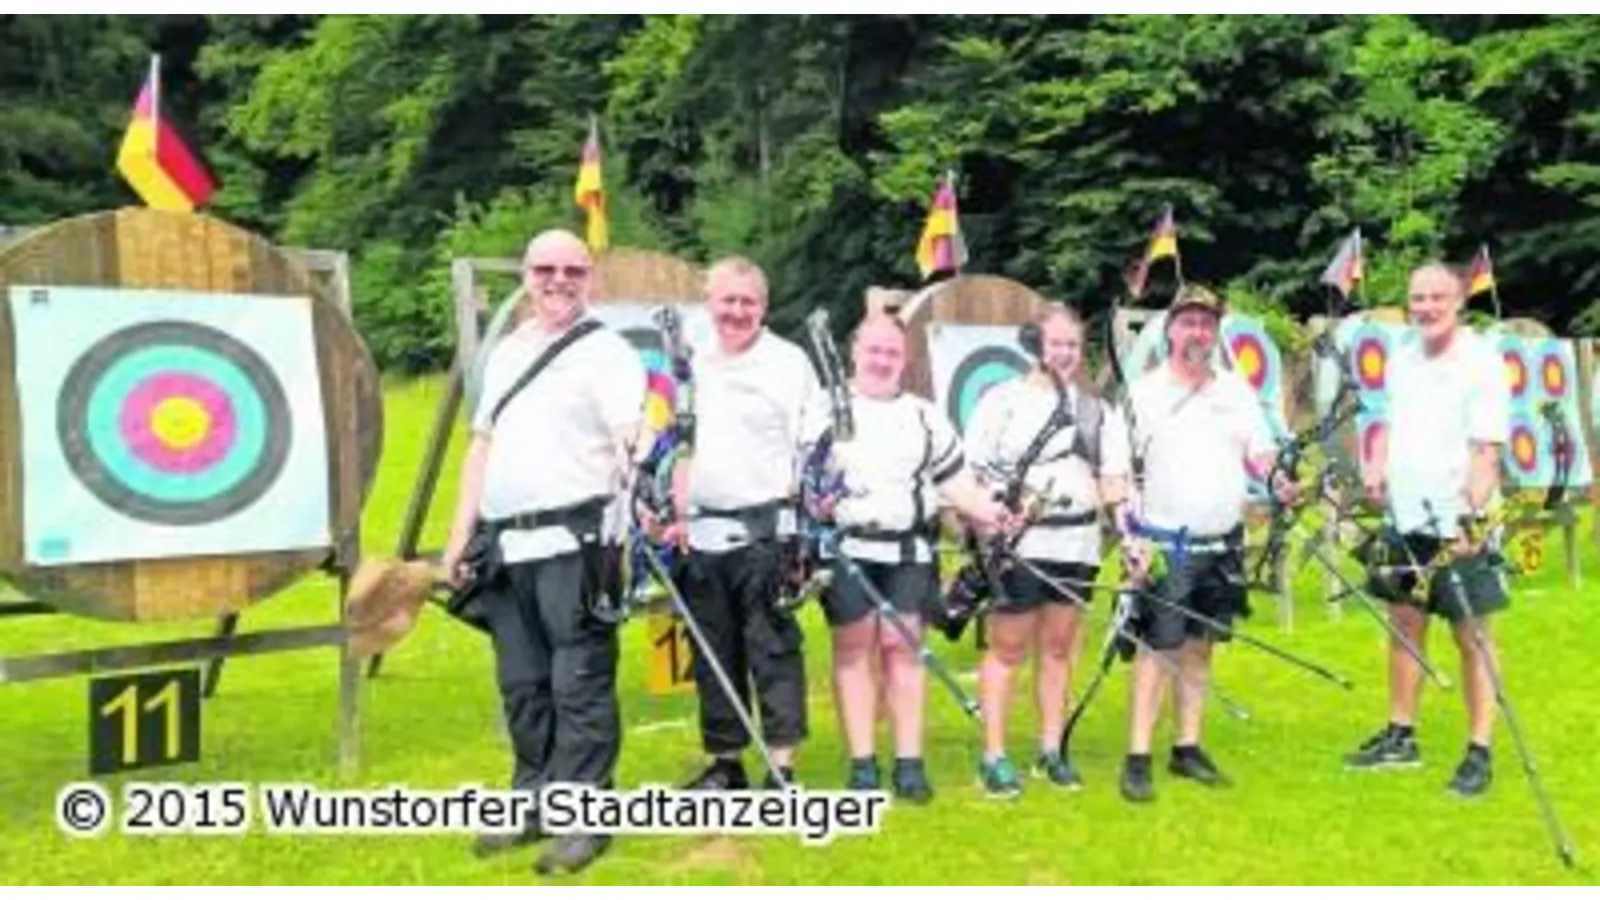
(144, 720)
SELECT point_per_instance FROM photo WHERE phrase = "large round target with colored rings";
(976, 374)
(1553, 375)
(660, 388)
(174, 423)
(1516, 373)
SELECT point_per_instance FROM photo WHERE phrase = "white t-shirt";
(1006, 420)
(748, 413)
(1437, 407)
(1196, 444)
(903, 449)
(553, 445)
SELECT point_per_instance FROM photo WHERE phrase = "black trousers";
(557, 669)
(733, 598)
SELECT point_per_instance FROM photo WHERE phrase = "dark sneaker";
(1192, 762)
(721, 775)
(1136, 784)
(911, 781)
(1058, 770)
(1388, 749)
(493, 843)
(999, 779)
(573, 853)
(863, 775)
(771, 782)
(1474, 774)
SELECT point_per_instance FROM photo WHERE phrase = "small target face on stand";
(1516, 373)
(174, 423)
(1372, 358)
(1554, 376)
(1251, 359)
(976, 374)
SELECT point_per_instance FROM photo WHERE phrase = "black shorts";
(912, 589)
(1483, 590)
(1021, 590)
(1211, 584)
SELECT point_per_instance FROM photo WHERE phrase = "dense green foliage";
(812, 143)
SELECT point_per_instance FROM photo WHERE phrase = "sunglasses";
(571, 272)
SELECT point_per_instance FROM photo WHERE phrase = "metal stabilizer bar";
(886, 609)
(1213, 624)
(704, 648)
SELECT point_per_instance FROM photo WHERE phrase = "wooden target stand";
(621, 274)
(143, 249)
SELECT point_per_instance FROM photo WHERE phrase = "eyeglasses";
(570, 272)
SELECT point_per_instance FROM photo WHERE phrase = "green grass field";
(432, 721)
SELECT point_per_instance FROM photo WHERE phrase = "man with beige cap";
(548, 462)
(1202, 437)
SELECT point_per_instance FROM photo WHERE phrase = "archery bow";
(980, 578)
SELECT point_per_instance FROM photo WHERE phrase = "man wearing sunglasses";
(545, 473)
(751, 390)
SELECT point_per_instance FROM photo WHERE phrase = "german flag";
(589, 192)
(1163, 244)
(161, 164)
(1480, 277)
(941, 247)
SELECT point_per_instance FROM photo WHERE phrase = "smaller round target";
(1250, 357)
(975, 375)
(1553, 375)
(1516, 373)
(1372, 359)
(174, 423)
(1527, 452)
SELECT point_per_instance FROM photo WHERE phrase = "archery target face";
(968, 360)
(635, 322)
(1553, 375)
(154, 427)
(174, 423)
(1529, 459)
(1516, 373)
(1250, 357)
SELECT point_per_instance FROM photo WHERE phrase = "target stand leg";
(227, 626)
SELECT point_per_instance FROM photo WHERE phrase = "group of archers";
(545, 466)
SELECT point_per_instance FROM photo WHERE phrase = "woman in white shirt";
(1069, 448)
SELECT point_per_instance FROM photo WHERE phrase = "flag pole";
(1494, 283)
(955, 218)
(155, 90)
(1177, 250)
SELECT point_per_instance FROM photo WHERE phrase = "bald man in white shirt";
(541, 475)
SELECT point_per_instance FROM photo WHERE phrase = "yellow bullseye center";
(180, 422)
(1250, 360)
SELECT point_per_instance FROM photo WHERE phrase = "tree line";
(813, 144)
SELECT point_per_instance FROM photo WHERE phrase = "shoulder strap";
(1086, 439)
(586, 327)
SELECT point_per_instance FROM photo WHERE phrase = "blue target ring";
(976, 374)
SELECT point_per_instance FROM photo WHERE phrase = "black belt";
(582, 519)
(906, 538)
(1064, 520)
(760, 520)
